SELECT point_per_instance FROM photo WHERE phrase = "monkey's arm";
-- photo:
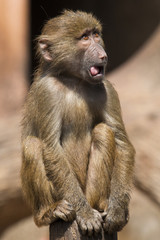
(122, 175)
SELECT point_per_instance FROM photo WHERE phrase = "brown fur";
(77, 158)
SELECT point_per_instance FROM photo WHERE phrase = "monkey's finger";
(106, 226)
(61, 215)
(83, 228)
(98, 215)
(90, 229)
(71, 216)
(97, 226)
(82, 225)
(100, 219)
(103, 215)
(64, 209)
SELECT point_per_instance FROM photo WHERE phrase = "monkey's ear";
(44, 46)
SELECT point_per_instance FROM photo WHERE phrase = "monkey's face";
(71, 45)
(93, 59)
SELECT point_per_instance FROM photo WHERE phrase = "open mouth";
(96, 71)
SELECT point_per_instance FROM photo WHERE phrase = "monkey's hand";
(115, 219)
(89, 221)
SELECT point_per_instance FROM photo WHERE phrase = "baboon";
(77, 160)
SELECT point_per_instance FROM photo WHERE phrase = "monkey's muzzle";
(97, 72)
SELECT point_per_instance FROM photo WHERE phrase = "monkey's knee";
(103, 137)
(102, 130)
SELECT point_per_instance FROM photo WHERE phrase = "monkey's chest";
(79, 118)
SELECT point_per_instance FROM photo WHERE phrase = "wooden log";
(61, 230)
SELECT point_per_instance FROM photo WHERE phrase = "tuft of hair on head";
(71, 23)
(77, 21)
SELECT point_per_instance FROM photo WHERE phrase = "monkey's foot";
(65, 211)
(116, 218)
(89, 221)
(61, 209)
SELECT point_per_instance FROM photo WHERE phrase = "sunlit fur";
(77, 160)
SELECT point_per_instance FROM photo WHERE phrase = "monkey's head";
(71, 45)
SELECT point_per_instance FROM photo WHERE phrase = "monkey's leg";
(38, 189)
(67, 186)
(100, 167)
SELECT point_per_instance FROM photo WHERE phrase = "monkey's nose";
(103, 56)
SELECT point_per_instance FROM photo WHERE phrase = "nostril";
(103, 56)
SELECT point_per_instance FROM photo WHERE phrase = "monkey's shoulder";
(110, 88)
(46, 84)
(113, 104)
(112, 95)
(46, 90)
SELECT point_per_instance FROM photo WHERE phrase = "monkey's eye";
(96, 34)
(85, 37)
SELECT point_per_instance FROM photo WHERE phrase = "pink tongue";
(94, 71)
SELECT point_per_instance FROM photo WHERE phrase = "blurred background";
(131, 32)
